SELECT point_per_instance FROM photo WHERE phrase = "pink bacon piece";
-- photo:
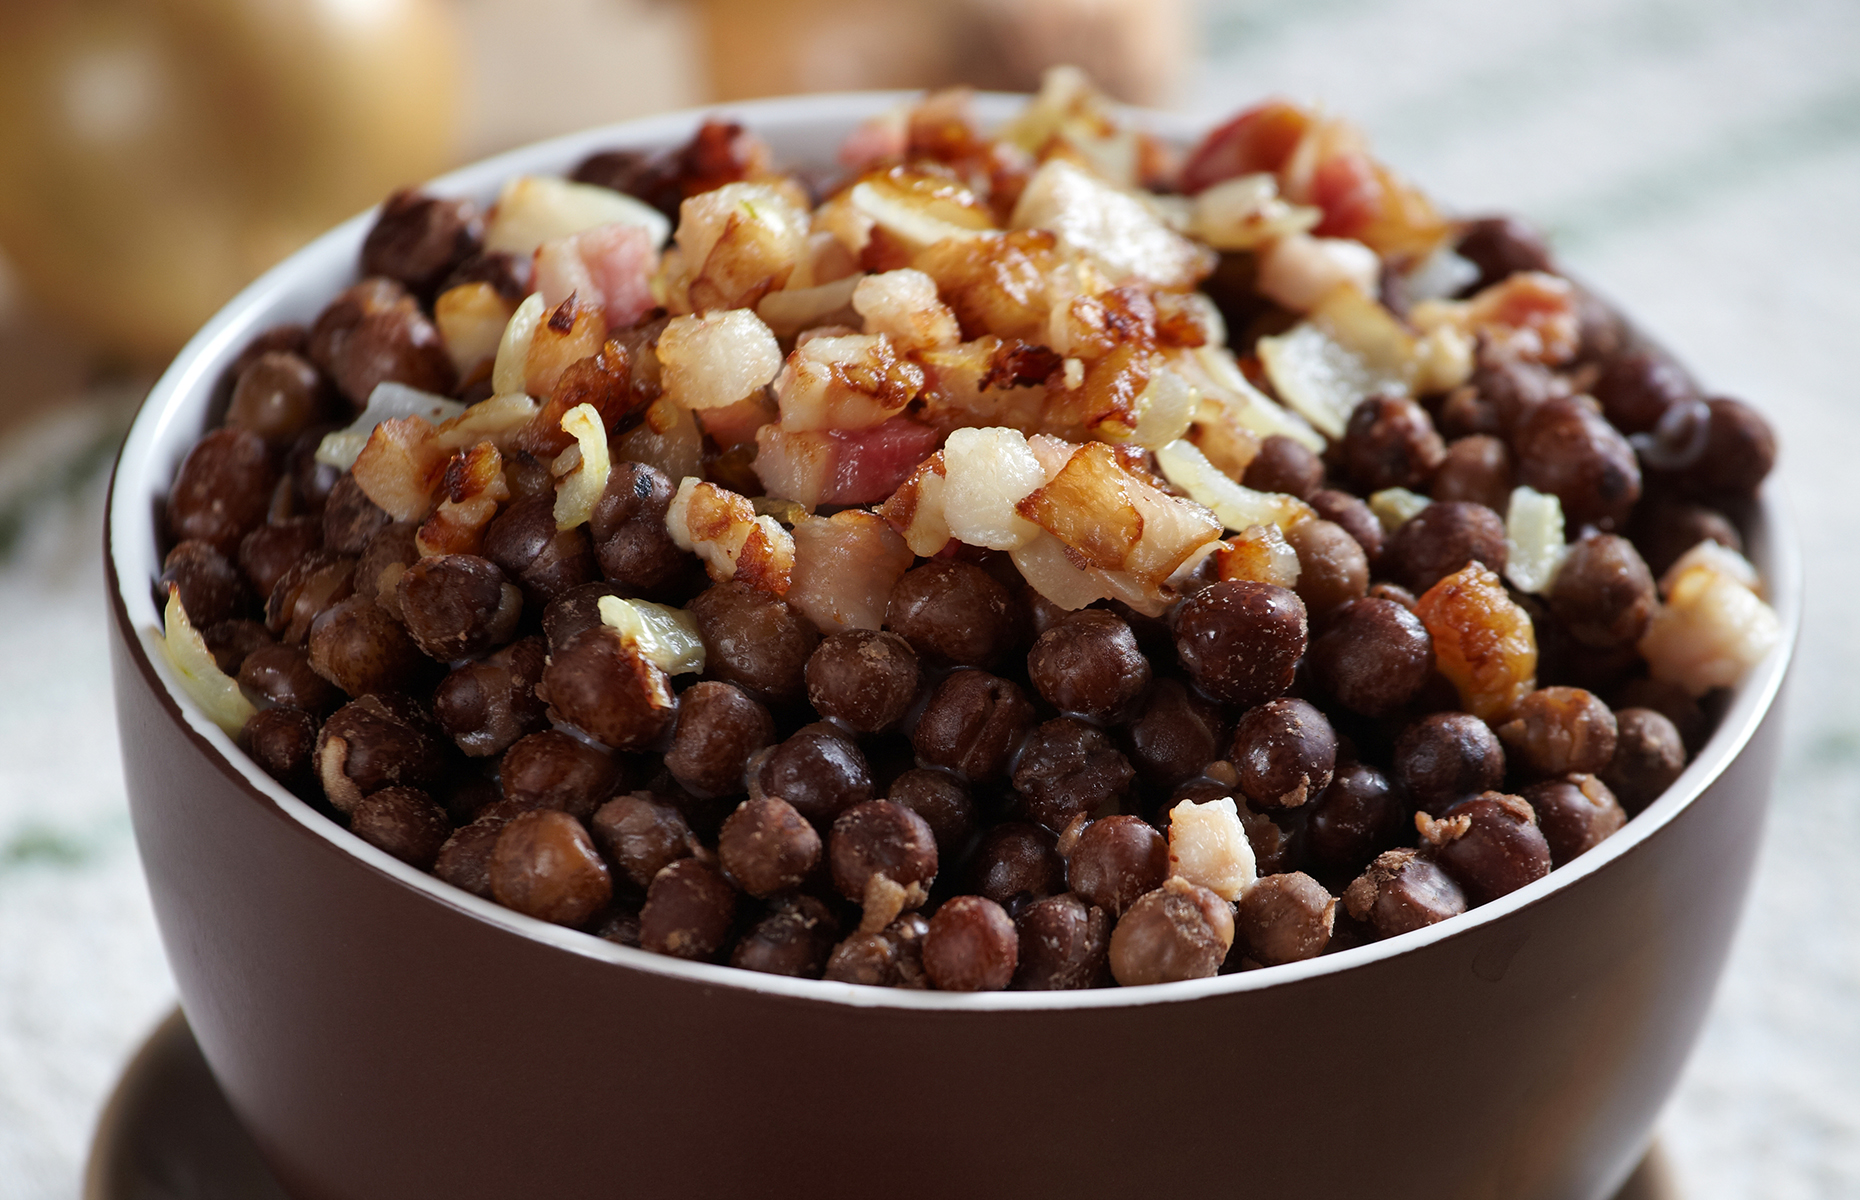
(839, 466)
(612, 262)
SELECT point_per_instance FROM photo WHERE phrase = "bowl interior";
(800, 130)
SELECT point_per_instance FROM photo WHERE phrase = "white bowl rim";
(151, 451)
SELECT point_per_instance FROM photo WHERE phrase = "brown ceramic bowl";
(387, 1037)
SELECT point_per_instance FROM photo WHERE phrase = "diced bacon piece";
(839, 466)
(572, 331)
(1711, 631)
(1088, 507)
(988, 472)
(983, 383)
(472, 488)
(736, 244)
(716, 360)
(611, 265)
(734, 424)
(400, 467)
(1259, 553)
(471, 320)
(723, 530)
(1298, 271)
(915, 509)
(603, 381)
(996, 285)
(1111, 228)
(845, 383)
(1260, 139)
(1483, 641)
(1532, 314)
(903, 305)
(876, 140)
(844, 569)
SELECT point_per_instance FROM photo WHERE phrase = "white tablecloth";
(1697, 159)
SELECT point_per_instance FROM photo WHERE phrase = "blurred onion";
(156, 155)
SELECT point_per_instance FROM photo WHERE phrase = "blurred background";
(1698, 160)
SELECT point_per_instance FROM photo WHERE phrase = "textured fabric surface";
(1698, 160)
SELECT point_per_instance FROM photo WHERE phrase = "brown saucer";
(168, 1134)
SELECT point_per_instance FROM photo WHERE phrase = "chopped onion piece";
(1165, 408)
(1247, 211)
(388, 401)
(1440, 276)
(577, 492)
(665, 636)
(216, 692)
(1218, 377)
(1235, 505)
(789, 312)
(1534, 547)
(1395, 506)
(513, 349)
(1319, 379)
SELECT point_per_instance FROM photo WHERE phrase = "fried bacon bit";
(1088, 507)
(1093, 325)
(609, 265)
(722, 528)
(473, 487)
(844, 569)
(995, 285)
(1260, 139)
(841, 466)
(1259, 553)
(471, 319)
(400, 467)
(904, 306)
(1297, 272)
(959, 393)
(714, 361)
(572, 330)
(579, 489)
(1483, 642)
(1529, 316)
(1107, 403)
(876, 141)
(841, 383)
(735, 245)
(1017, 364)
(603, 381)
(915, 509)
(736, 424)
(668, 438)
(1713, 627)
